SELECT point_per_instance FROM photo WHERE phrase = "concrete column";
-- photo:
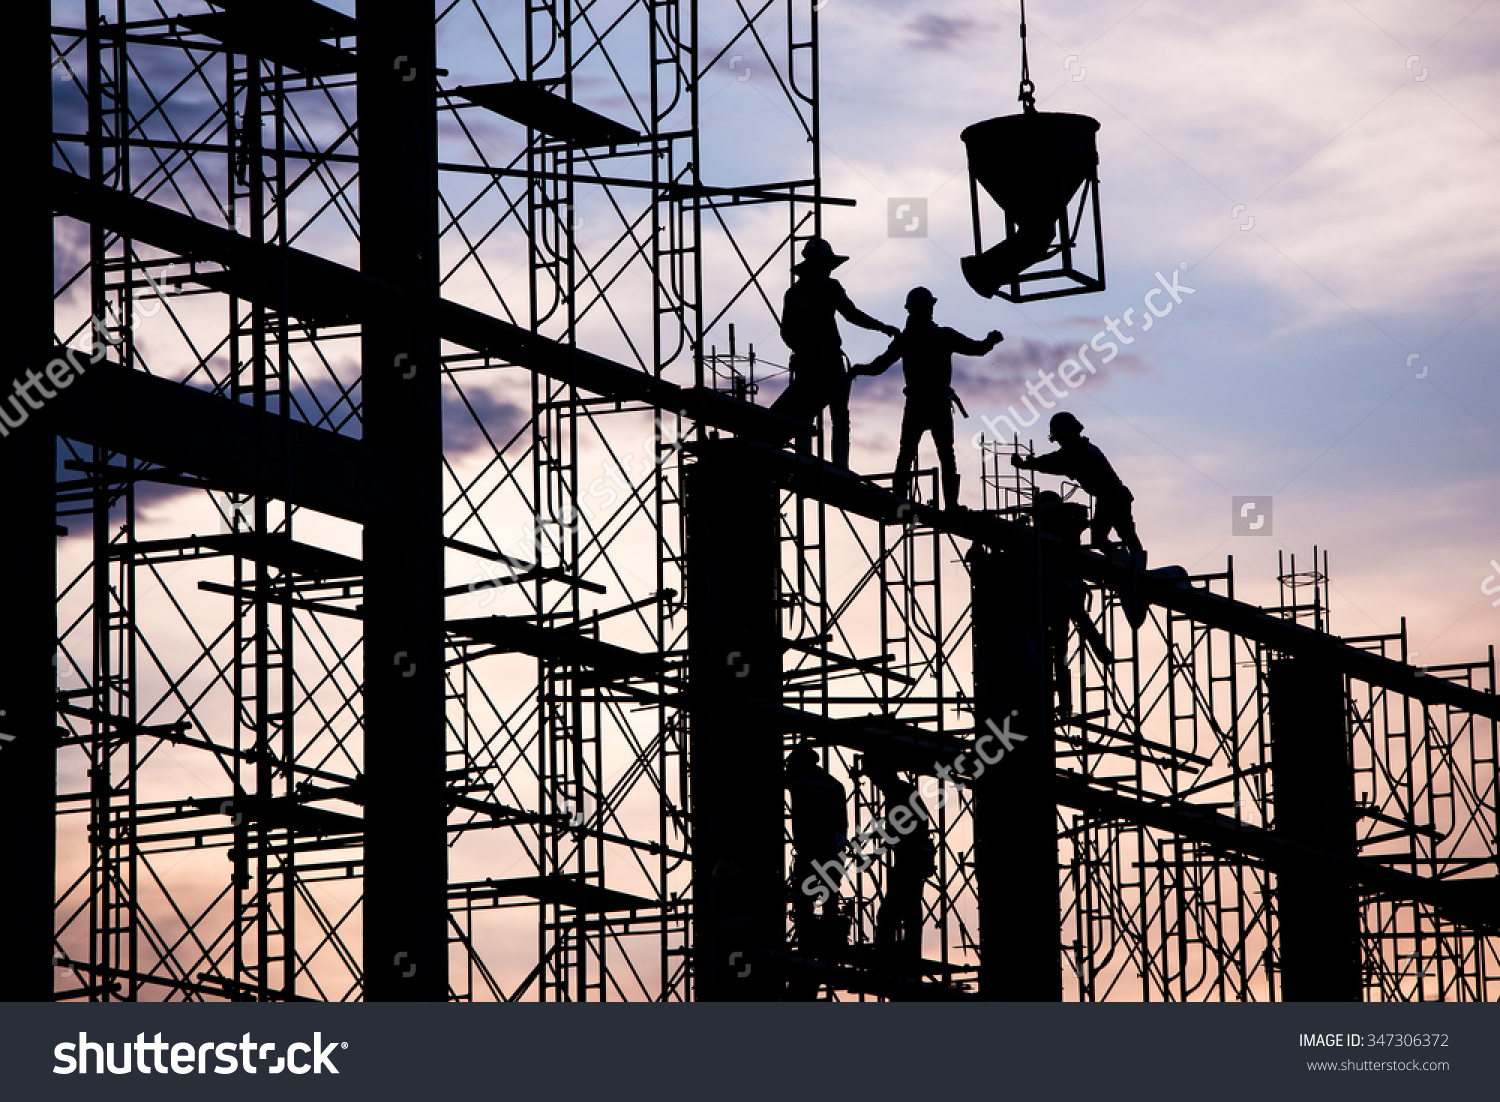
(734, 663)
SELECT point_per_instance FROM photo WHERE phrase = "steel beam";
(188, 430)
(323, 292)
(845, 490)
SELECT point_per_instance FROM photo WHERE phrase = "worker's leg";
(792, 401)
(911, 435)
(804, 922)
(1112, 511)
(832, 864)
(889, 922)
(910, 937)
(837, 389)
(940, 421)
(803, 902)
(801, 400)
(1105, 516)
(885, 921)
(924, 864)
(904, 903)
(1125, 522)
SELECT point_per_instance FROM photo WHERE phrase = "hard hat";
(819, 253)
(802, 755)
(919, 296)
(1064, 423)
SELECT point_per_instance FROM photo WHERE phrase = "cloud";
(939, 33)
(1367, 186)
(470, 415)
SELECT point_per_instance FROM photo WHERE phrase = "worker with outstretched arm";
(809, 327)
(926, 350)
(1078, 459)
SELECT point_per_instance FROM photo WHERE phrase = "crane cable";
(1028, 89)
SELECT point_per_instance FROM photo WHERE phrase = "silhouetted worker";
(820, 828)
(926, 350)
(811, 331)
(1086, 465)
(1062, 591)
(898, 926)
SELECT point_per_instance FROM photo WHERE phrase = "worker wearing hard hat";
(810, 329)
(820, 827)
(913, 858)
(926, 350)
(1085, 464)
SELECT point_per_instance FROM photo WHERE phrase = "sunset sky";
(1326, 172)
(1363, 140)
(1321, 175)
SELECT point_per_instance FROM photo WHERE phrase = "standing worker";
(820, 827)
(898, 926)
(810, 330)
(926, 350)
(1085, 464)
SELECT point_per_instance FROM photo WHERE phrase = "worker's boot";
(901, 484)
(950, 490)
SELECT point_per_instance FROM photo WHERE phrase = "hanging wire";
(1028, 89)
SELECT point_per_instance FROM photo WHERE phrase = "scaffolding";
(386, 654)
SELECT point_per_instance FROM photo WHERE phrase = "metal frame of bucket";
(1057, 272)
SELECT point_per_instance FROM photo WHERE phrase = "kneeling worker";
(926, 350)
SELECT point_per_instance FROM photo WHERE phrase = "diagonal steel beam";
(323, 292)
(845, 490)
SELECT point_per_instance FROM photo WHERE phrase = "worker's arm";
(1051, 463)
(881, 362)
(968, 346)
(855, 316)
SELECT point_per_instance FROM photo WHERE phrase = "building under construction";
(437, 600)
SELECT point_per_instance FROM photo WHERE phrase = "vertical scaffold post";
(1015, 806)
(734, 659)
(406, 876)
(28, 554)
(1317, 910)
